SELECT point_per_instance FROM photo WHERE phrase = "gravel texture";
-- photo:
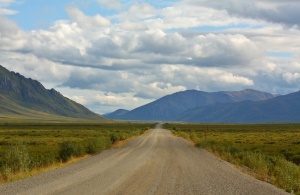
(155, 163)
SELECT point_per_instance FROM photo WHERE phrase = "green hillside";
(22, 97)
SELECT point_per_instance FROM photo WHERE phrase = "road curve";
(156, 163)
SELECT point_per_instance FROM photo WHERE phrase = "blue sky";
(41, 14)
(36, 14)
(110, 54)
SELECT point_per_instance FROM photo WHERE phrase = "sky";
(111, 54)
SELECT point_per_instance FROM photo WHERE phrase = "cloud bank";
(145, 51)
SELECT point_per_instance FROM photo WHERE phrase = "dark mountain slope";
(280, 109)
(116, 114)
(168, 108)
(18, 95)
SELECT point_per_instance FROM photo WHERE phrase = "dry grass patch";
(270, 152)
(27, 149)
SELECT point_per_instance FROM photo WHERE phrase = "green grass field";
(271, 152)
(26, 147)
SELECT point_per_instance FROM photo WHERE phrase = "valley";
(155, 163)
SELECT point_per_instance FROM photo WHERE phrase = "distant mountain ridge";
(281, 109)
(116, 113)
(24, 96)
(170, 107)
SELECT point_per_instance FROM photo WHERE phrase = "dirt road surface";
(156, 163)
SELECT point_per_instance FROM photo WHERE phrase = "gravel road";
(155, 163)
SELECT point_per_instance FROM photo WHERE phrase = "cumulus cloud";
(4, 11)
(285, 12)
(11, 36)
(138, 11)
(139, 84)
(29, 65)
(79, 99)
(204, 78)
(224, 50)
(91, 41)
(112, 4)
(156, 90)
(84, 21)
(187, 16)
(101, 80)
(103, 102)
(145, 52)
(155, 47)
(4, 3)
(3, 7)
(291, 77)
(61, 42)
(112, 99)
(118, 48)
(106, 102)
(272, 38)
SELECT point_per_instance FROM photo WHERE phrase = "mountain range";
(281, 109)
(22, 97)
(116, 114)
(198, 106)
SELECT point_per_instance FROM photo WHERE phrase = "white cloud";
(84, 21)
(133, 26)
(229, 78)
(138, 11)
(146, 52)
(43, 70)
(103, 102)
(7, 11)
(61, 42)
(206, 79)
(11, 36)
(156, 90)
(79, 99)
(5, 3)
(186, 16)
(284, 12)
(3, 7)
(291, 77)
(112, 4)
(113, 99)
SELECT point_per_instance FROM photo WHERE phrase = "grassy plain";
(271, 152)
(28, 147)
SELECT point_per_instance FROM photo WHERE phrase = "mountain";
(170, 107)
(281, 109)
(116, 114)
(24, 97)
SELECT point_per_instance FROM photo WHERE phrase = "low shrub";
(44, 160)
(48, 144)
(97, 144)
(285, 174)
(16, 159)
(70, 149)
(274, 169)
(114, 137)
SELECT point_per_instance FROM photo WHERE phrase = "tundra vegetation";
(26, 149)
(270, 152)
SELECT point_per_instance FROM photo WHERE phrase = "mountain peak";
(280, 109)
(168, 108)
(116, 114)
(28, 94)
